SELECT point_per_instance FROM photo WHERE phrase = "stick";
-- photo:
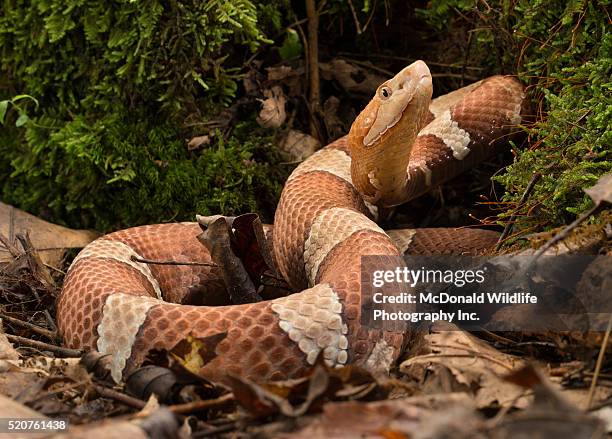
(197, 406)
(403, 58)
(63, 352)
(600, 357)
(37, 329)
(130, 401)
(355, 19)
(536, 177)
(154, 262)
(50, 321)
(216, 430)
(14, 251)
(313, 64)
(565, 232)
(58, 391)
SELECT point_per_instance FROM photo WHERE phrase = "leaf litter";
(450, 383)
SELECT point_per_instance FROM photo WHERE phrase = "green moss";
(563, 52)
(120, 86)
(118, 171)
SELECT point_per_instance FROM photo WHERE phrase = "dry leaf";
(279, 73)
(273, 114)
(193, 353)
(198, 142)
(453, 360)
(217, 238)
(12, 409)
(602, 190)
(249, 82)
(352, 78)
(550, 415)
(150, 407)
(605, 414)
(307, 394)
(333, 124)
(50, 240)
(298, 146)
(7, 352)
(443, 416)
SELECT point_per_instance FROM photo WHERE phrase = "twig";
(368, 65)
(128, 400)
(355, 19)
(403, 58)
(50, 321)
(495, 336)
(536, 177)
(14, 251)
(216, 430)
(58, 391)
(64, 352)
(471, 354)
(154, 262)
(272, 276)
(365, 26)
(54, 268)
(313, 64)
(602, 353)
(34, 328)
(197, 406)
(564, 233)
(499, 417)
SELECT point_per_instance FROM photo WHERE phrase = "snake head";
(382, 135)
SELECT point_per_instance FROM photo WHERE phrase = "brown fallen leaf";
(550, 415)
(50, 240)
(602, 190)
(266, 400)
(333, 123)
(449, 359)
(273, 114)
(21, 386)
(296, 397)
(450, 415)
(12, 409)
(7, 352)
(279, 73)
(193, 353)
(251, 246)
(297, 146)
(291, 79)
(351, 77)
(605, 414)
(160, 423)
(38, 381)
(197, 142)
(251, 242)
(217, 239)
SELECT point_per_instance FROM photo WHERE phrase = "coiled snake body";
(400, 146)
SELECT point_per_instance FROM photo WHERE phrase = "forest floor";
(449, 382)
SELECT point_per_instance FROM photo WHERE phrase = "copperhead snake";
(399, 147)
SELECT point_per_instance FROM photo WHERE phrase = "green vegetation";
(121, 85)
(563, 51)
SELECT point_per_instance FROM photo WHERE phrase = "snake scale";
(400, 146)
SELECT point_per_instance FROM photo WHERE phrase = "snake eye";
(384, 93)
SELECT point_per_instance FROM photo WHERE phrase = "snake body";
(400, 146)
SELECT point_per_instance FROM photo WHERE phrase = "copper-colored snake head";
(382, 135)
